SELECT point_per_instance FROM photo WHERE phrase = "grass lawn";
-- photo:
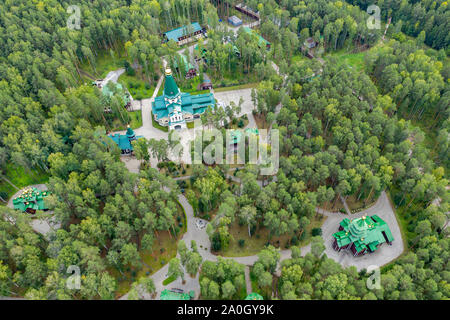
(237, 87)
(404, 220)
(298, 57)
(158, 126)
(258, 241)
(190, 125)
(104, 63)
(20, 178)
(169, 280)
(138, 89)
(161, 88)
(354, 60)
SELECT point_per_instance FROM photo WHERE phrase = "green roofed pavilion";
(124, 141)
(184, 34)
(30, 200)
(362, 235)
(171, 295)
(254, 296)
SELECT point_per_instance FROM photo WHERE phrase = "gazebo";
(254, 296)
(30, 200)
(362, 235)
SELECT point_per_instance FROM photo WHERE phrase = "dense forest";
(412, 17)
(344, 133)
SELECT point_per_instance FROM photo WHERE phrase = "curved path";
(382, 208)
(383, 255)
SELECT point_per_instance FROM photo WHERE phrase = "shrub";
(3, 195)
(215, 242)
(131, 72)
(241, 243)
(316, 232)
(147, 86)
(294, 240)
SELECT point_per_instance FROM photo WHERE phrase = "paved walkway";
(344, 202)
(382, 256)
(248, 283)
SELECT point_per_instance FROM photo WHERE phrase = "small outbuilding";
(30, 200)
(185, 34)
(124, 141)
(235, 21)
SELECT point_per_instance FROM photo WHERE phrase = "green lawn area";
(354, 60)
(169, 280)
(105, 63)
(161, 88)
(158, 126)
(190, 125)
(258, 241)
(237, 87)
(21, 178)
(298, 58)
(138, 89)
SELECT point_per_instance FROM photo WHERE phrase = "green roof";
(171, 295)
(124, 140)
(364, 232)
(261, 39)
(170, 86)
(31, 198)
(182, 31)
(254, 296)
